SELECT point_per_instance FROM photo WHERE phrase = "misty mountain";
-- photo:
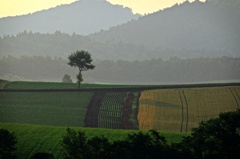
(82, 17)
(188, 30)
(211, 26)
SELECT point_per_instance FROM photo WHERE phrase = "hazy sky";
(19, 7)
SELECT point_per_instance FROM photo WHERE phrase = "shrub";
(7, 144)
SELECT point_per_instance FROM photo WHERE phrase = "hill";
(210, 28)
(81, 17)
(188, 30)
(175, 108)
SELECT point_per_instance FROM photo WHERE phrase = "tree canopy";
(8, 143)
(215, 138)
(83, 60)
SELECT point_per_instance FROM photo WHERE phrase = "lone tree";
(81, 59)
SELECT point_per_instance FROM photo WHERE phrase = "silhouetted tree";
(142, 145)
(82, 60)
(99, 147)
(7, 144)
(215, 138)
(75, 145)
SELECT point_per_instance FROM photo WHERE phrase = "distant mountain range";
(210, 26)
(81, 17)
(188, 30)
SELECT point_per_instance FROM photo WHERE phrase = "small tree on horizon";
(81, 59)
(67, 79)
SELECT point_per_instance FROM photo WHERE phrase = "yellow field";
(180, 110)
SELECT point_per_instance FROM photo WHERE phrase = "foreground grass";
(35, 138)
(44, 108)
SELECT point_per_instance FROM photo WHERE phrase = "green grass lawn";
(35, 138)
(44, 108)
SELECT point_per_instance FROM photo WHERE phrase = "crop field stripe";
(234, 97)
(182, 111)
(55, 108)
(186, 109)
(91, 118)
(238, 97)
(111, 111)
(237, 93)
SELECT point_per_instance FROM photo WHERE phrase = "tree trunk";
(79, 83)
(79, 78)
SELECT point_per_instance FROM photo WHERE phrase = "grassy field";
(35, 138)
(179, 110)
(58, 85)
(44, 108)
(3, 83)
(170, 109)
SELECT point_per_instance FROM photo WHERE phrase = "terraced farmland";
(180, 110)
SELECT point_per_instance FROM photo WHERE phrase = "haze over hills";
(158, 48)
(210, 26)
(81, 17)
(187, 30)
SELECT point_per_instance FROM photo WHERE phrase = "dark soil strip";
(91, 117)
(137, 109)
(186, 110)
(234, 97)
(182, 111)
(132, 89)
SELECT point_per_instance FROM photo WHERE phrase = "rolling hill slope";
(192, 29)
(175, 108)
(81, 17)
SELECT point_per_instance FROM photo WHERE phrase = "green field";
(44, 108)
(172, 109)
(35, 138)
(3, 83)
(57, 85)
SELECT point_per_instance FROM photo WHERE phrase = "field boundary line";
(182, 111)
(237, 93)
(137, 110)
(234, 97)
(186, 110)
(123, 89)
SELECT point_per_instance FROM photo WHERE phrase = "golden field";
(180, 110)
